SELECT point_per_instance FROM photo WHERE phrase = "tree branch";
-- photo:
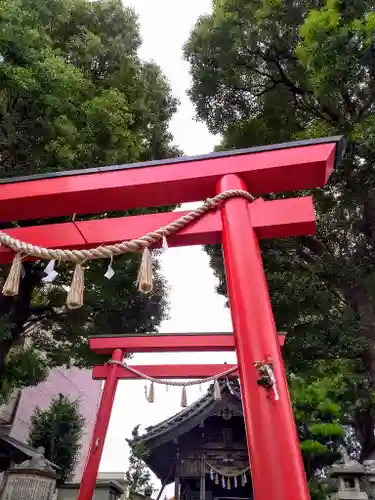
(37, 310)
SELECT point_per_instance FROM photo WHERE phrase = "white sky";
(195, 307)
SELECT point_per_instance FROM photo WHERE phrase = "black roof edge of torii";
(339, 140)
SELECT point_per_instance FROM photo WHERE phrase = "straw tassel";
(183, 397)
(228, 484)
(151, 393)
(144, 280)
(12, 283)
(217, 478)
(74, 299)
(217, 390)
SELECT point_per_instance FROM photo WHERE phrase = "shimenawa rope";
(174, 383)
(150, 395)
(78, 257)
(108, 251)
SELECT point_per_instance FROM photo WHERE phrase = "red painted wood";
(288, 169)
(86, 490)
(271, 219)
(164, 372)
(270, 426)
(281, 338)
(52, 236)
(163, 343)
(167, 343)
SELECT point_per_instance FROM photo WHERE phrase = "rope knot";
(210, 203)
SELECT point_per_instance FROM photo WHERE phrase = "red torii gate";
(276, 464)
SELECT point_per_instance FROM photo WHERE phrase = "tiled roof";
(24, 451)
(226, 385)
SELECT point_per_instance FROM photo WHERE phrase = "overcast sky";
(195, 307)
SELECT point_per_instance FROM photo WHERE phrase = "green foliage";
(268, 71)
(321, 490)
(319, 415)
(74, 94)
(24, 367)
(138, 476)
(325, 34)
(73, 91)
(59, 429)
(318, 403)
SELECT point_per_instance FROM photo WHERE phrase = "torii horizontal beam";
(170, 342)
(271, 219)
(165, 371)
(277, 168)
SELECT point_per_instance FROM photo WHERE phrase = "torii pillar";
(276, 462)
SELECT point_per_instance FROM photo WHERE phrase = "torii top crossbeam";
(282, 167)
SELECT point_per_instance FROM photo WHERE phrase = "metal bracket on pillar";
(266, 375)
(264, 370)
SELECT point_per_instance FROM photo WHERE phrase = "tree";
(58, 429)
(138, 476)
(74, 94)
(273, 70)
(318, 417)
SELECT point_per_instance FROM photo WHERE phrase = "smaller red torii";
(276, 462)
(175, 342)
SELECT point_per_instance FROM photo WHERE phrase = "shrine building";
(203, 448)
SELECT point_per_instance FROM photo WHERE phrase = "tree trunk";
(16, 310)
(364, 429)
(364, 420)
